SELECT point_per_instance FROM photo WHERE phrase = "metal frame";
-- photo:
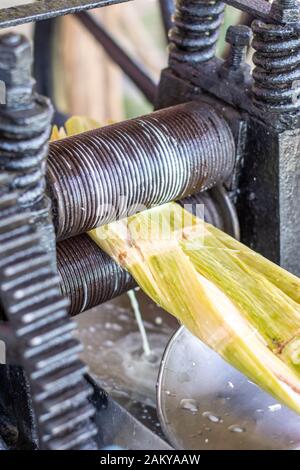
(261, 116)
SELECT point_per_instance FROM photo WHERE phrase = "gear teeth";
(57, 426)
(69, 398)
(19, 243)
(59, 380)
(44, 310)
(26, 253)
(19, 307)
(77, 439)
(27, 265)
(27, 278)
(43, 331)
(33, 304)
(55, 357)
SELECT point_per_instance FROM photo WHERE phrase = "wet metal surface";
(120, 428)
(206, 404)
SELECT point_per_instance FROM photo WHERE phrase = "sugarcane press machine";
(223, 134)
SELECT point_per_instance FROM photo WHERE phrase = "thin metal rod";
(45, 9)
(167, 9)
(140, 78)
(44, 33)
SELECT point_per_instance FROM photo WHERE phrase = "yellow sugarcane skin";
(234, 308)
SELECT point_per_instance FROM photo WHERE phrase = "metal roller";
(90, 277)
(109, 173)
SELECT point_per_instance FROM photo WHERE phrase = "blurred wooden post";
(86, 81)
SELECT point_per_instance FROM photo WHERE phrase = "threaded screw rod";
(196, 30)
(113, 172)
(276, 77)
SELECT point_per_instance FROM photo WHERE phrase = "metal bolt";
(15, 69)
(285, 11)
(239, 37)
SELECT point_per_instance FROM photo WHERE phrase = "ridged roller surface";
(110, 173)
(88, 275)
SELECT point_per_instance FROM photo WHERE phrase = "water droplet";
(189, 404)
(193, 364)
(209, 415)
(230, 384)
(206, 441)
(158, 321)
(236, 428)
(259, 410)
(275, 407)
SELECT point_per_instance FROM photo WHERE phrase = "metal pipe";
(138, 76)
(113, 172)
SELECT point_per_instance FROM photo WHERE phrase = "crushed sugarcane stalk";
(237, 302)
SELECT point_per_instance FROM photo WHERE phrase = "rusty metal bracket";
(44, 10)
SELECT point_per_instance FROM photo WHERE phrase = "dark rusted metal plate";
(205, 404)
